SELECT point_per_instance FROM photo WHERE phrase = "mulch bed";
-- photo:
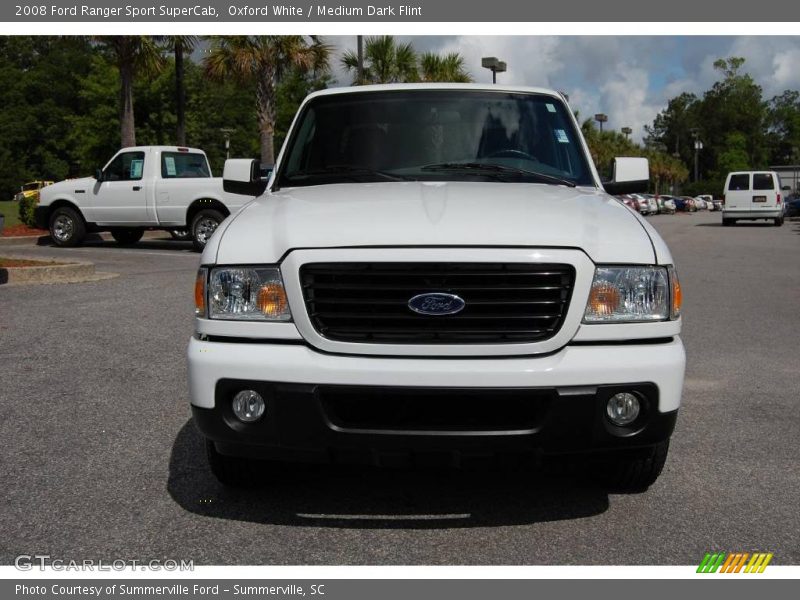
(22, 230)
(11, 263)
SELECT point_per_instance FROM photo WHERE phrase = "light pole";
(698, 145)
(627, 131)
(227, 133)
(360, 47)
(601, 118)
(494, 65)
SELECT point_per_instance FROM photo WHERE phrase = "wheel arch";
(202, 204)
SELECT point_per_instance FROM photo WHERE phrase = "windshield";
(452, 135)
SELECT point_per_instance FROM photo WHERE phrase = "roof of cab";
(484, 87)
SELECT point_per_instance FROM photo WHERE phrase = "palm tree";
(264, 59)
(133, 55)
(449, 67)
(180, 44)
(385, 61)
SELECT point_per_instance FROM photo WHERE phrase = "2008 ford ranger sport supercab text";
(437, 271)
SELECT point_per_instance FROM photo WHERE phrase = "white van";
(752, 195)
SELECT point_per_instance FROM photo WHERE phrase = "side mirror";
(631, 175)
(243, 176)
(98, 174)
(786, 188)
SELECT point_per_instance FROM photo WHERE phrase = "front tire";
(633, 471)
(204, 224)
(67, 228)
(127, 236)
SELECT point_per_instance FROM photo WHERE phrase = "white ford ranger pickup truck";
(437, 271)
(146, 187)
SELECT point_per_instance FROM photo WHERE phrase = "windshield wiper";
(349, 171)
(498, 170)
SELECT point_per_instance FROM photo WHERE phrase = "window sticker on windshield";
(550, 107)
(169, 161)
(136, 169)
(561, 136)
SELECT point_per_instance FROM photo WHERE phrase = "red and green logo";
(734, 562)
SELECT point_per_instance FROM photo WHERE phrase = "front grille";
(505, 302)
(435, 409)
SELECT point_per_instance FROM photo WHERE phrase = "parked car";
(792, 206)
(147, 187)
(31, 189)
(650, 201)
(356, 311)
(682, 204)
(691, 205)
(629, 200)
(752, 195)
(666, 205)
(708, 201)
(700, 203)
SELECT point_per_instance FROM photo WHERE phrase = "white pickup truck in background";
(147, 187)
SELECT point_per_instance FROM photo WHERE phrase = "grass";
(10, 210)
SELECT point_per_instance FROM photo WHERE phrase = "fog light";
(623, 408)
(248, 406)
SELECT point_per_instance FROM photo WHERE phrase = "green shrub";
(27, 206)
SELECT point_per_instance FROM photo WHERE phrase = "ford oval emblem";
(436, 303)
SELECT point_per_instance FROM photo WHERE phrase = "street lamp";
(494, 65)
(226, 132)
(601, 118)
(698, 145)
(627, 131)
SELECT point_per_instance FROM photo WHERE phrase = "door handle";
(136, 188)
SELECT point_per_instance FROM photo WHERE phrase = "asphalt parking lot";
(101, 460)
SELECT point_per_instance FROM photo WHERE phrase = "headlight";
(629, 294)
(247, 294)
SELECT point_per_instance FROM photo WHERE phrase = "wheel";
(204, 224)
(127, 236)
(778, 221)
(633, 470)
(181, 235)
(728, 222)
(234, 471)
(67, 228)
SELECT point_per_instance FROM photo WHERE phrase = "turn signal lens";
(272, 300)
(200, 293)
(677, 294)
(604, 299)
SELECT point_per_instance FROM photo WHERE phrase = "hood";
(433, 214)
(67, 186)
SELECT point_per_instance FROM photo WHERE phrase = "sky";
(629, 78)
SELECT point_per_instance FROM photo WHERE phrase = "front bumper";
(324, 406)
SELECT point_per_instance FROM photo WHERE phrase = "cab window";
(128, 166)
(183, 164)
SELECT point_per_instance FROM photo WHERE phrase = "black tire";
(633, 471)
(778, 221)
(181, 235)
(729, 222)
(202, 226)
(127, 236)
(234, 471)
(67, 228)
